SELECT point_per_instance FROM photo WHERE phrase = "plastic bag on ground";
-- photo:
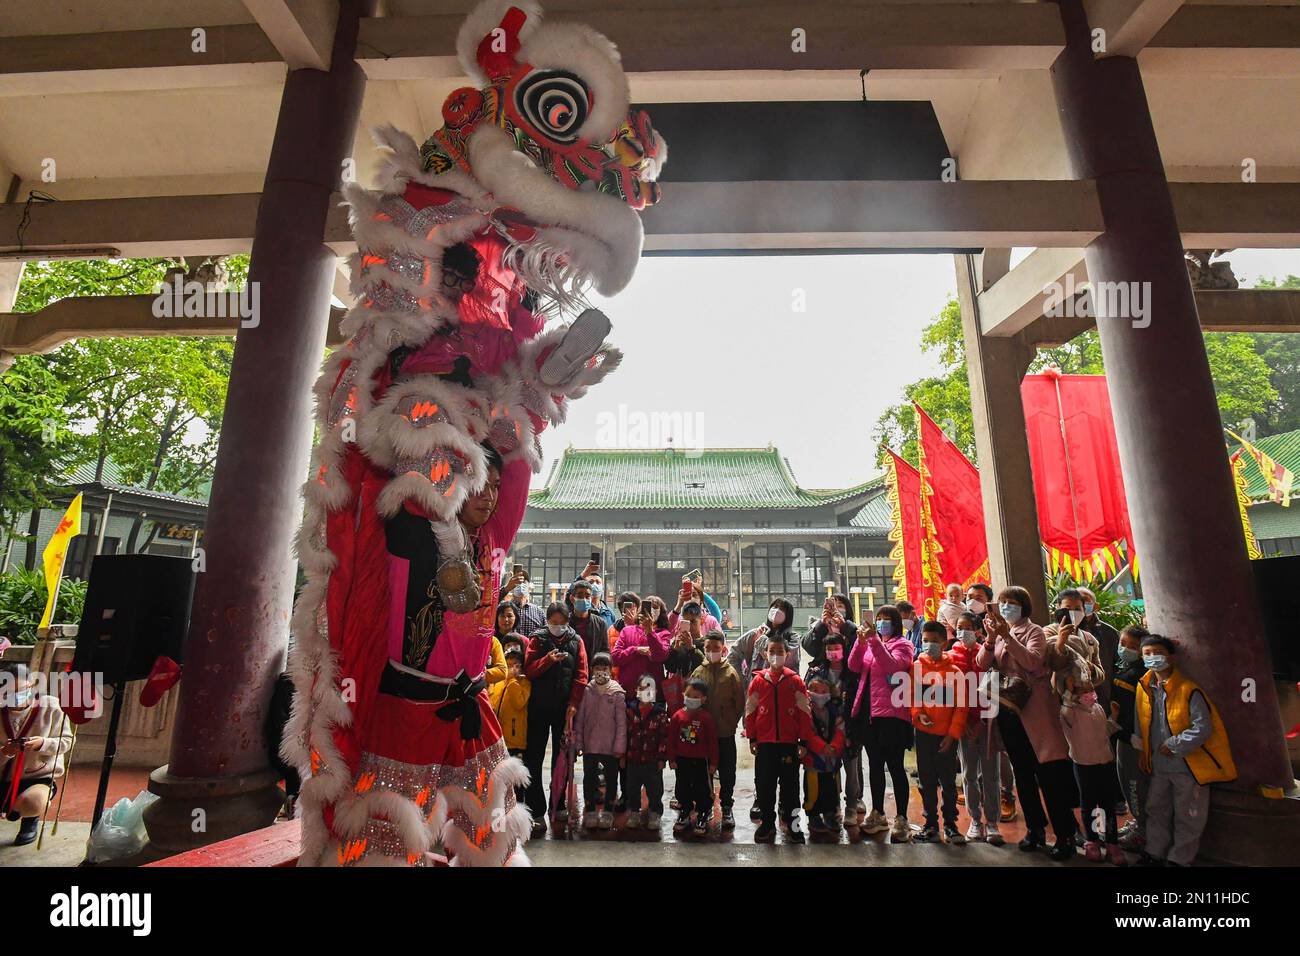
(120, 833)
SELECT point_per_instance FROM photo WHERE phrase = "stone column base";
(229, 806)
(1246, 829)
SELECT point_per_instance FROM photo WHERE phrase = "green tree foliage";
(151, 404)
(22, 602)
(1280, 352)
(1248, 382)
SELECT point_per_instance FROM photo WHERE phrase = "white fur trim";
(611, 222)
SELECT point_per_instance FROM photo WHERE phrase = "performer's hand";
(10, 748)
(34, 743)
(753, 748)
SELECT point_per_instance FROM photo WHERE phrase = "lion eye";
(553, 102)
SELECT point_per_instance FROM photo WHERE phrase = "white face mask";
(974, 606)
(908, 622)
(776, 660)
(646, 694)
(966, 637)
(601, 677)
(714, 656)
(1076, 617)
(557, 629)
(776, 617)
(693, 703)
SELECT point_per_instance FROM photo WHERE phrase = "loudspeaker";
(1277, 581)
(137, 609)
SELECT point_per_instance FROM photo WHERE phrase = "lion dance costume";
(528, 194)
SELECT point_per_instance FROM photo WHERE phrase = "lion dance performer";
(428, 421)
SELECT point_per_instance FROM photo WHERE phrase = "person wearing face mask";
(821, 776)
(600, 736)
(37, 738)
(939, 711)
(1184, 748)
(1029, 721)
(510, 703)
(911, 625)
(586, 623)
(1107, 641)
(529, 617)
(1133, 781)
(693, 754)
(778, 724)
(556, 666)
(880, 660)
(749, 654)
(1071, 650)
(725, 703)
(829, 643)
(1088, 734)
(647, 754)
(978, 599)
(980, 746)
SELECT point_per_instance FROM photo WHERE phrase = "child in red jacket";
(693, 753)
(778, 722)
(939, 711)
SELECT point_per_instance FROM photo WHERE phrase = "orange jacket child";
(938, 692)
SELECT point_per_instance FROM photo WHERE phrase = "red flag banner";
(1082, 510)
(952, 512)
(903, 484)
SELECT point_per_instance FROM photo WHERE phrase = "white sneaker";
(975, 831)
(581, 341)
(901, 831)
(993, 835)
(605, 820)
(876, 822)
(634, 819)
(590, 820)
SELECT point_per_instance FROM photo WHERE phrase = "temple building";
(738, 515)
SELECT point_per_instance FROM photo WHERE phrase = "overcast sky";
(717, 352)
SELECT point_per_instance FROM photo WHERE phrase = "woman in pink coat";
(881, 659)
(1033, 737)
(642, 647)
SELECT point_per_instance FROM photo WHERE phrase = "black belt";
(463, 693)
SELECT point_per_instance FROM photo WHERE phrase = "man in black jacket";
(586, 623)
(556, 666)
(1128, 670)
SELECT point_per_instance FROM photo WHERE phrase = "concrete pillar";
(1171, 448)
(239, 627)
(11, 276)
(995, 367)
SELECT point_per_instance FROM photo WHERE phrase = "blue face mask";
(1089, 608)
(1127, 655)
(581, 605)
(934, 649)
(1156, 662)
(597, 590)
(1010, 611)
(885, 628)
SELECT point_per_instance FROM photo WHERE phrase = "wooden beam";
(302, 30)
(234, 55)
(1016, 301)
(26, 333)
(1128, 25)
(714, 217)
(1241, 39)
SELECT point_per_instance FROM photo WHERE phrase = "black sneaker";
(1146, 859)
(766, 833)
(701, 826)
(953, 835)
(929, 834)
(794, 834)
(27, 831)
(539, 827)
(755, 814)
(817, 825)
(674, 804)
(1032, 841)
(728, 821)
(1062, 850)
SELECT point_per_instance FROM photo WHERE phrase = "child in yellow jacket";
(509, 698)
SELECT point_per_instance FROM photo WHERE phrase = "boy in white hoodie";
(600, 735)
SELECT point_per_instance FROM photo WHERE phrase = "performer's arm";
(512, 499)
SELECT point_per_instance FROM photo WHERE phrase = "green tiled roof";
(739, 478)
(1270, 520)
(874, 515)
(1283, 448)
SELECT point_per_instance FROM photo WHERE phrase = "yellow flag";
(56, 551)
